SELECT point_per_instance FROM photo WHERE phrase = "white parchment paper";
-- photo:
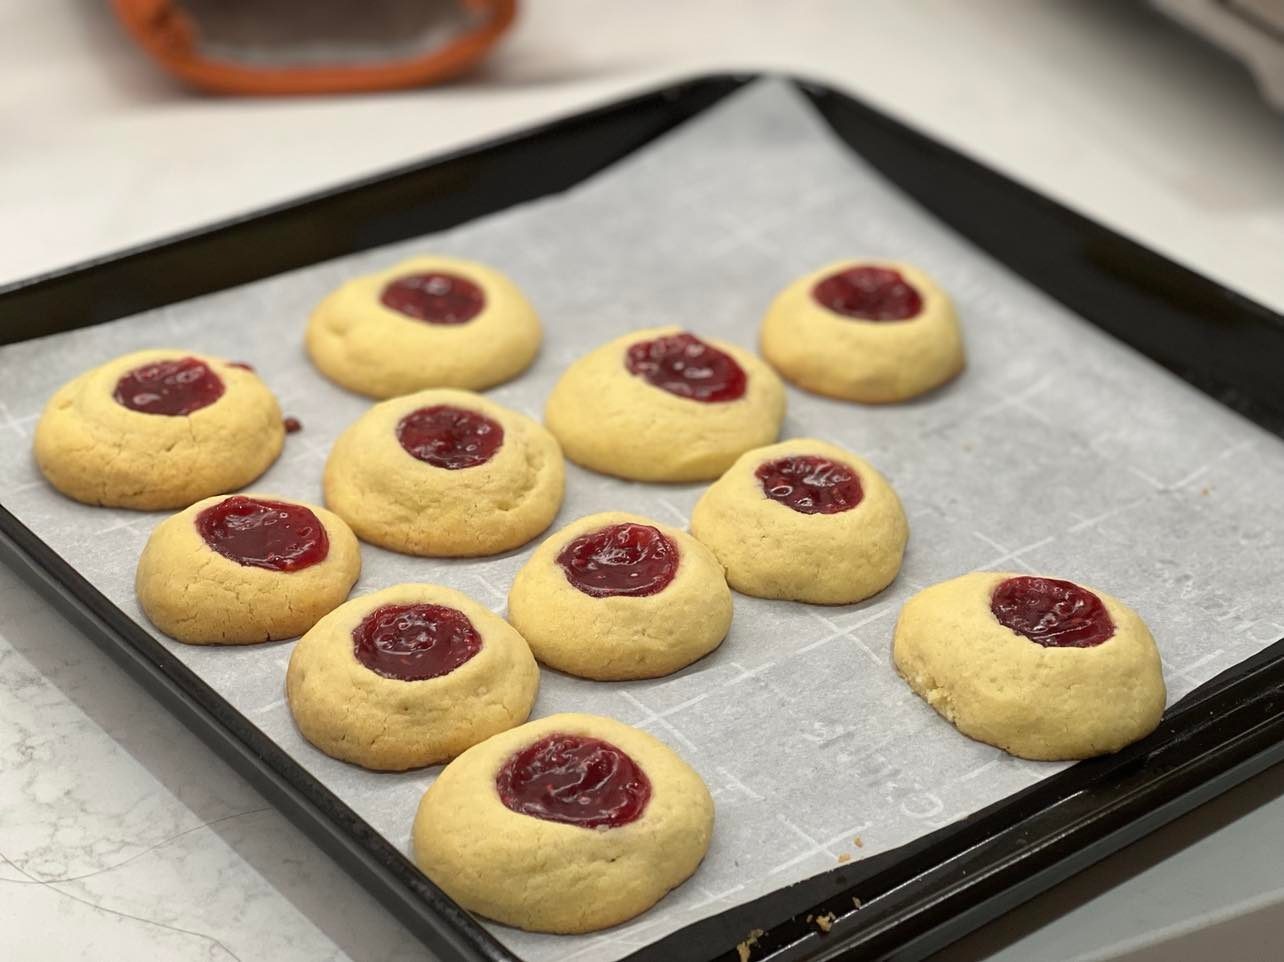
(1058, 451)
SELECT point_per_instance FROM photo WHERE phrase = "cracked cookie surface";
(352, 712)
(627, 631)
(553, 876)
(1037, 701)
(198, 596)
(611, 420)
(359, 340)
(773, 550)
(456, 496)
(93, 448)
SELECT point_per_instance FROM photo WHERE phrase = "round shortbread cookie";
(615, 596)
(664, 405)
(1043, 669)
(872, 331)
(806, 521)
(409, 676)
(571, 823)
(445, 473)
(245, 568)
(427, 322)
(158, 429)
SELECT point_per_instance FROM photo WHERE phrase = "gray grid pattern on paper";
(1058, 451)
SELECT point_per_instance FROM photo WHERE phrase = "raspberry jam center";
(1051, 613)
(172, 388)
(684, 365)
(264, 534)
(624, 559)
(574, 779)
(450, 437)
(414, 642)
(869, 293)
(810, 485)
(435, 297)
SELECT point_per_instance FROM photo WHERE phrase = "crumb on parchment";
(746, 947)
(844, 858)
(857, 842)
(823, 922)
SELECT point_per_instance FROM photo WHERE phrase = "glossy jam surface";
(869, 293)
(172, 388)
(450, 437)
(624, 559)
(684, 365)
(264, 534)
(574, 779)
(436, 297)
(810, 485)
(414, 642)
(1051, 613)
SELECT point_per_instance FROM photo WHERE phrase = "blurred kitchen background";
(1106, 105)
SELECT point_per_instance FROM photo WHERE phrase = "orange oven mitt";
(314, 46)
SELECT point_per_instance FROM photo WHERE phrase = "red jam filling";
(810, 485)
(414, 642)
(869, 293)
(292, 425)
(264, 534)
(450, 437)
(1051, 613)
(574, 779)
(172, 388)
(684, 365)
(624, 559)
(435, 297)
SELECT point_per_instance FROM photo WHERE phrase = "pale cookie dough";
(859, 359)
(555, 876)
(771, 550)
(616, 422)
(654, 599)
(94, 449)
(1000, 687)
(355, 713)
(200, 596)
(365, 345)
(395, 500)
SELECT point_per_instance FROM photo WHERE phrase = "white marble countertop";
(122, 836)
